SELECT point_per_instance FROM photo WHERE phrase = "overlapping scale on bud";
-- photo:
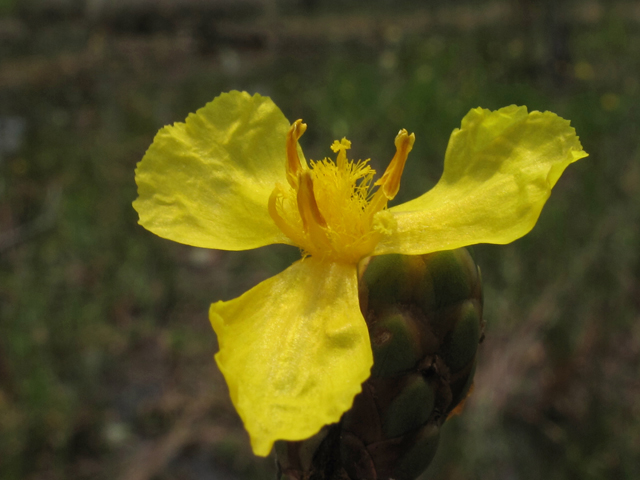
(425, 322)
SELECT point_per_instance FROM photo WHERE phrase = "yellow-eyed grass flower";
(295, 349)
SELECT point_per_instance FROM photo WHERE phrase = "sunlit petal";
(207, 182)
(499, 170)
(294, 351)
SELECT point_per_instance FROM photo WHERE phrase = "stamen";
(390, 181)
(328, 211)
(289, 230)
(313, 222)
(307, 205)
(293, 165)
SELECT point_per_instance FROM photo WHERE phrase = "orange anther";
(390, 181)
(293, 165)
(307, 204)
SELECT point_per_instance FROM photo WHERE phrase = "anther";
(390, 181)
(293, 166)
(307, 205)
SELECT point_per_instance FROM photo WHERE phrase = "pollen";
(328, 209)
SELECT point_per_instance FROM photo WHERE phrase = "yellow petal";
(207, 182)
(294, 351)
(498, 173)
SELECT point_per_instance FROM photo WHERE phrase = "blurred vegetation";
(106, 364)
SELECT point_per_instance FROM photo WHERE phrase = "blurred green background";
(106, 366)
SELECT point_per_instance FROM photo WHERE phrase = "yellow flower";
(295, 349)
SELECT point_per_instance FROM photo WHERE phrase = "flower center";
(329, 210)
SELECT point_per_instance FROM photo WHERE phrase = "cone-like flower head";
(295, 349)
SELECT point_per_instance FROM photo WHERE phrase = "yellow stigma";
(328, 210)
